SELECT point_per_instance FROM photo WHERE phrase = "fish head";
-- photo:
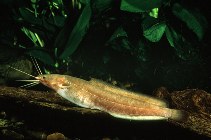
(54, 81)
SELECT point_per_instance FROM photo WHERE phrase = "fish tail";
(178, 115)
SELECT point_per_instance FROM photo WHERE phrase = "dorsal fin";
(126, 93)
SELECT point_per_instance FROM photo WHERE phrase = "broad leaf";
(59, 21)
(101, 5)
(119, 32)
(194, 20)
(84, 1)
(29, 16)
(42, 55)
(139, 5)
(184, 49)
(171, 36)
(78, 32)
(119, 40)
(153, 30)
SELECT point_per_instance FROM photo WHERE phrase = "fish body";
(95, 94)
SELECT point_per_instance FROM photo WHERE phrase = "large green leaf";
(119, 32)
(184, 49)
(78, 32)
(119, 40)
(194, 20)
(29, 16)
(59, 21)
(171, 36)
(42, 55)
(153, 29)
(101, 5)
(139, 5)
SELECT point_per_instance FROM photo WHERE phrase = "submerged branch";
(196, 103)
(43, 99)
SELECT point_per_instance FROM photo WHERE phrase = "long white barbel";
(29, 85)
(36, 65)
(22, 72)
(28, 80)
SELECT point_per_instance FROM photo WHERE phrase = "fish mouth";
(38, 78)
(42, 80)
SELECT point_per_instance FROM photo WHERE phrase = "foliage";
(52, 31)
(194, 21)
(77, 33)
(139, 6)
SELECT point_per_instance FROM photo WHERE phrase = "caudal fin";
(178, 115)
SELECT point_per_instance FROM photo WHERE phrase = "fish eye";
(43, 77)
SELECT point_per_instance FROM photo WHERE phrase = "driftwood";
(13, 99)
(196, 102)
(42, 99)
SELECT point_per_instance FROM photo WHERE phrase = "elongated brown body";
(120, 103)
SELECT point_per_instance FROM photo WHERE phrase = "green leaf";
(139, 5)
(58, 2)
(84, 1)
(194, 20)
(154, 12)
(59, 21)
(119, 32)
(78, 33)
(171, 36)
(42, 55)
(184, 49)
(101, 5)
(46, 23)
(119, 40)
(31, 35)
(152, 29)
(29, 16)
